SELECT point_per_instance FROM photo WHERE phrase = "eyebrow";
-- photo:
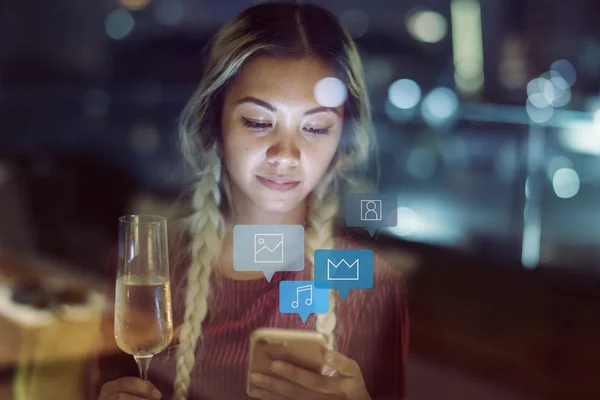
(271, 107)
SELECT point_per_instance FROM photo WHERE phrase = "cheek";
(242, 157)
(319, 158)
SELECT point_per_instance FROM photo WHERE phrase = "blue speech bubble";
(268, 248)
(302, 298)
(344, 270)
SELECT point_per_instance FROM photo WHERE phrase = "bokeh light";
(513, 67)
(538, 115)
(467, 46)
(439, 106)
(538, 100)
(549, 89)
(356, 22)
(134, 5)
(404, 94)
(330, 92)
(597, 122)
(408, 221)
(427, 26)
(556, 163)
(561, 91)
(566, 183)
(537, 86)
(564, 69)
(527, 193)
(119, 23)
(580, 137)
(545, 93)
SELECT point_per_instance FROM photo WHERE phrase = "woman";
(271, 154)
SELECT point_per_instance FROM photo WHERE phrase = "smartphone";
(303, 348)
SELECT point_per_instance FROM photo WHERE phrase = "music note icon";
(315, 300)
(299, 289)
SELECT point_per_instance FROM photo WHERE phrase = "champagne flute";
(143, 316)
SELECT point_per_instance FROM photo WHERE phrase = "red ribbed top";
(372, 329)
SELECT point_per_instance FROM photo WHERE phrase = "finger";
(281, 387)
(343, 365)
(305, 378)
(132, 386)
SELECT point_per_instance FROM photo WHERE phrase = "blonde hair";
(279, 29)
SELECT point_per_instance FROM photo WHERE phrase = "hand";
(129, 388)
(299, 383)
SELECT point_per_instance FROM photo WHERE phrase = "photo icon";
(268, 248)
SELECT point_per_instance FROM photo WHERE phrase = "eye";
(256, 126)
(317, 131)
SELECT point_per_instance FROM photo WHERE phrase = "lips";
(279, 180)
(278, 183)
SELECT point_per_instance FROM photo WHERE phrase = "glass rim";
(142, 219)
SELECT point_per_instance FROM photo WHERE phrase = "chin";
(279, 206)
(271, 201)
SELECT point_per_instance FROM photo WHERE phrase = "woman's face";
(278, 140)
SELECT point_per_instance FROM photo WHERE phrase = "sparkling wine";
(143, 321)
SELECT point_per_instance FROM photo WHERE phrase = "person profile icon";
(370, 210)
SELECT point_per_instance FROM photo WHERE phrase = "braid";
(319, 235)
(206, 227)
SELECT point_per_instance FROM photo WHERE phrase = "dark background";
(506, 294)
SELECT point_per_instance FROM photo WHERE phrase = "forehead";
(281, 79)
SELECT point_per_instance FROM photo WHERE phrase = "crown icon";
(343, 270)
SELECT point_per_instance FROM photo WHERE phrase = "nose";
(284, 152)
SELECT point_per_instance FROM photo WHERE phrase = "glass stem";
(143, 365)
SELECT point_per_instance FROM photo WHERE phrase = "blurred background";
(487, 114)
